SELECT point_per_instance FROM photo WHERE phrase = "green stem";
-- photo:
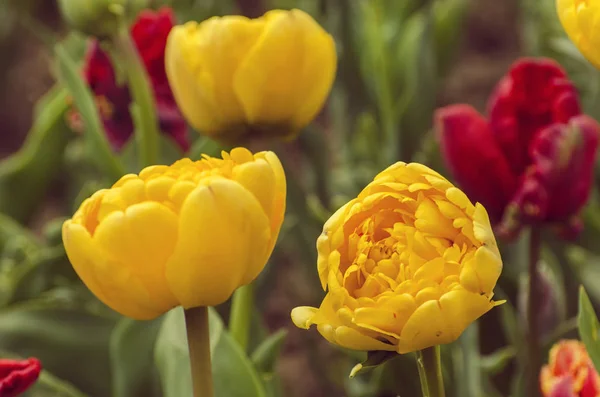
(533, 307)
(241, 315)
(143, 108)
(196, 322)
(470, 384)
(429, 364)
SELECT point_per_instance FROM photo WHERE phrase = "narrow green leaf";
(496, 362)
(61, 337)
(96, 141)
(265, 355)
(589, 327)
(26, 174)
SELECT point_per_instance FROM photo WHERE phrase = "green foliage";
(589, 327)
(229, 361)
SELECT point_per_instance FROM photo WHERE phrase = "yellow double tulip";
(188, 234)
(581, 21)
(234, 77)
(408, 264)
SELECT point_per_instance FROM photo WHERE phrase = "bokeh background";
(415, 54)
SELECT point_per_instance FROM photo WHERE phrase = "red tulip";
(570, 372)
(149, 33)
(531, 161)
(16, 376)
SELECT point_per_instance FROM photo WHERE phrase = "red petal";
(566, 155)
(533, 95)
(563, 388)
(474, 159)
(18, 376)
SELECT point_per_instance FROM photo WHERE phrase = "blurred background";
(398, 61)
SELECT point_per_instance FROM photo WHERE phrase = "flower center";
(397, 251)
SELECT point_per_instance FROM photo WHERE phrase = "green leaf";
(228, 360)
(496, 362)
(26, 174)
(265, 355)
(71, 343)
(131, 352)
(589, 327)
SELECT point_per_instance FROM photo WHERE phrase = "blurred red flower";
(531, 161)
(149, 33)
(570, 372)
(16, 376)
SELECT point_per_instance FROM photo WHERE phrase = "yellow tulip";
(408, 264)
(581, 21)
(234, 77)
(188, 234)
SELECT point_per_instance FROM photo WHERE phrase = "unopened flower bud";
(98, 18)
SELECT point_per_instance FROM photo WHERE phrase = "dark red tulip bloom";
(531, 161)
(16, 376)
(149, 33)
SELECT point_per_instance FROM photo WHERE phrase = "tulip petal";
(474, 159)
(461, 307)
(201, 60)
(278, 206)
(224, 237)
(426, 327)
(142, 237)
(109, 280)
(286, 76)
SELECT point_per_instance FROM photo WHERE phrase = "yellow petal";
(302, 316)
(460, 308)
(193, 87)
(425, 328)
(224, 241)
(287, 75)
(142, 238)
(109, 280)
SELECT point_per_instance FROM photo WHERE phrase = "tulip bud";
(236, 78)
(98, 18)
(186, 235)
(559, 181)
(569, 372)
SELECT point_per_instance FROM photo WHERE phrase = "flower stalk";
(533, 304)
(143, 109)
(241, 315)
(430, 372)
(196, 322)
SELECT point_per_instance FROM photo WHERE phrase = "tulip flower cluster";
(149, 33)
(531, 161)
(570, 372)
